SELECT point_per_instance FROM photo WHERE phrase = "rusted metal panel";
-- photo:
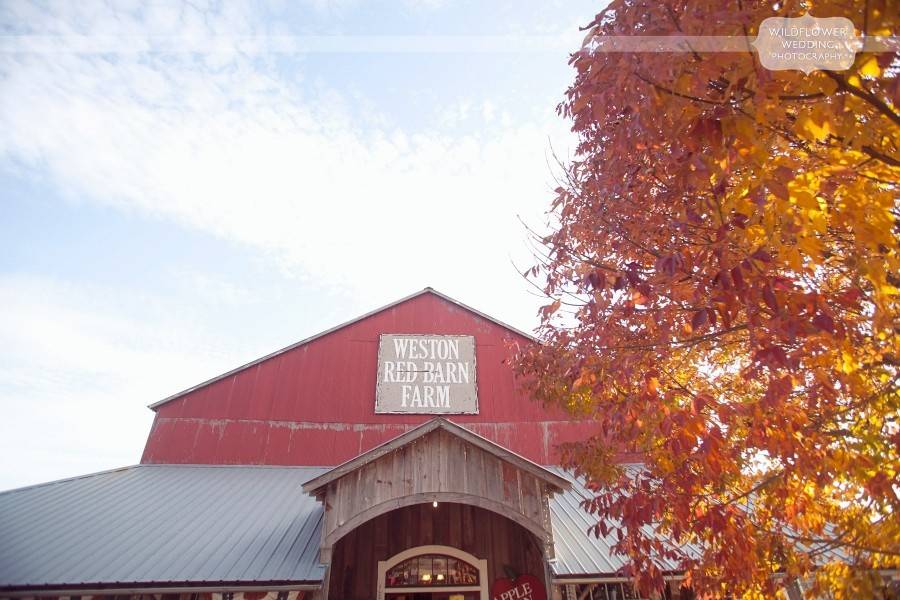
(323, 392)
(206, 442)
(202, 441)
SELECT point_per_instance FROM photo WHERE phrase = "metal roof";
(583, 555)
(577, 553)
(164, 525)
(188, 525)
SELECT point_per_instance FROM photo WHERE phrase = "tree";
(723, 269)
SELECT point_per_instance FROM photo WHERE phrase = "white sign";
(427, 374)
(807, 43)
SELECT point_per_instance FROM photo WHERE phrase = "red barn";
(312, 403)
(391, 457)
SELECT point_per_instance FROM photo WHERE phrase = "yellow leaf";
(805, 199)
(819, 223)
(870, 68)
(813, 130)
(794, 259)
(848, 364)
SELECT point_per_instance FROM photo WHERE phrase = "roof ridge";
(238, 466)
(152, 465)
(72, 478)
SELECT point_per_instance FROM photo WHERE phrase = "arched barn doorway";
(435, 485)
(422, 552)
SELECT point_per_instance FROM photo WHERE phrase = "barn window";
(432, 570)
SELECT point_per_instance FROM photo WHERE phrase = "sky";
(185, 187)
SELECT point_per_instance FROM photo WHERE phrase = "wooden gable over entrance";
(438, 461)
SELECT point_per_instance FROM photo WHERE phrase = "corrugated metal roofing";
(428, 290)
(162, 524)
(279, 412)
(172, 525)
(578, 553)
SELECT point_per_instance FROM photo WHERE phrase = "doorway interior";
(432, 573)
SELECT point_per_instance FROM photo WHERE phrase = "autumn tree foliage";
(723, 269)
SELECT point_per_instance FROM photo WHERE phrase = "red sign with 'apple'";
(523, 587)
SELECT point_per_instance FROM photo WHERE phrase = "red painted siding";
(314, 404)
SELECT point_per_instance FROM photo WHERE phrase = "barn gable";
(446, 463)
(312, 403)
(350, 323)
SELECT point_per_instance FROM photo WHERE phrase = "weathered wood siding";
(485, 534)
(438, 466)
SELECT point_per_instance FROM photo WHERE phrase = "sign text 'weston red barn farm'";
(428, 374)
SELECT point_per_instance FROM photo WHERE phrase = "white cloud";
(81, 364)
(244, 152)
(239, 147)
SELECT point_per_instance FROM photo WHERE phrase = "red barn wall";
(315, 404)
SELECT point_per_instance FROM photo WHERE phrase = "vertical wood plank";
(445, 484)
(493, 473)
(408, 486)
(366, 486)
(456, 468)
(511, 486)
(475, 479)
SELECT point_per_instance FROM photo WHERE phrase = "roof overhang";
(133, 589)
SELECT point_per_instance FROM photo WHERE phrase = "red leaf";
(547, 311)
(697, 404)
(720, 188)
(724, 280)
(737, 277)
(758, 196)
(769, 297)
(778, 189)
(783, 174)
(597, 280)
(824, 322)
(699, 320)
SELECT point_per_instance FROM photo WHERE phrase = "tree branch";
(866, 95)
